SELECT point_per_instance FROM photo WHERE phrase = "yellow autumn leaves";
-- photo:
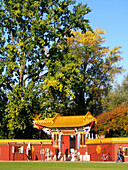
(87, 38)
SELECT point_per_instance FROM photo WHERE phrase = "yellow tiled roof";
(108, 140)
(66, 121)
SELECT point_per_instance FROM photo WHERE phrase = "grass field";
(61, 166)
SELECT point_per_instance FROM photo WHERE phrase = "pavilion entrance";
(73, 142)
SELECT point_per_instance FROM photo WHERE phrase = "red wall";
(94, 150)
(82, 150)
(105, 148)
(4, 152)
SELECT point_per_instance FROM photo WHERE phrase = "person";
(119, 155)
(29, 154)
(122, 156)
(42, 152)
(28, 151)
(66, 153)
(57, 153)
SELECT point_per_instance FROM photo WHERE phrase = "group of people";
(120, 155)
(68, 155)
(57, 154)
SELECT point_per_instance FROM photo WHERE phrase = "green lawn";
(61, 166)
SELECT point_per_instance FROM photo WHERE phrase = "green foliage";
(23, 105)
(3, 121)
(63, 75)
(27, 29)
(117, 96)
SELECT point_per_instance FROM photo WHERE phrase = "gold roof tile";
(66, 121)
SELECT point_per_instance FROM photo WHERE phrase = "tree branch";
(12, 39)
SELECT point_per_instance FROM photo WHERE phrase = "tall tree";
(27, 28)
(87, 71)
(98, 69)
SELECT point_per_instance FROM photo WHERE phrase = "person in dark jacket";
(66, 153)
(57, 153)
(119, 155)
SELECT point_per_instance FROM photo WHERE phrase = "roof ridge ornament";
(57, 115)
(87, 116)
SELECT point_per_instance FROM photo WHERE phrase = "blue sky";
(112, 17)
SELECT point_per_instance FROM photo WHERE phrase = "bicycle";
(105, 157)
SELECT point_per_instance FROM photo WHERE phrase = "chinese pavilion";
(69, 132)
